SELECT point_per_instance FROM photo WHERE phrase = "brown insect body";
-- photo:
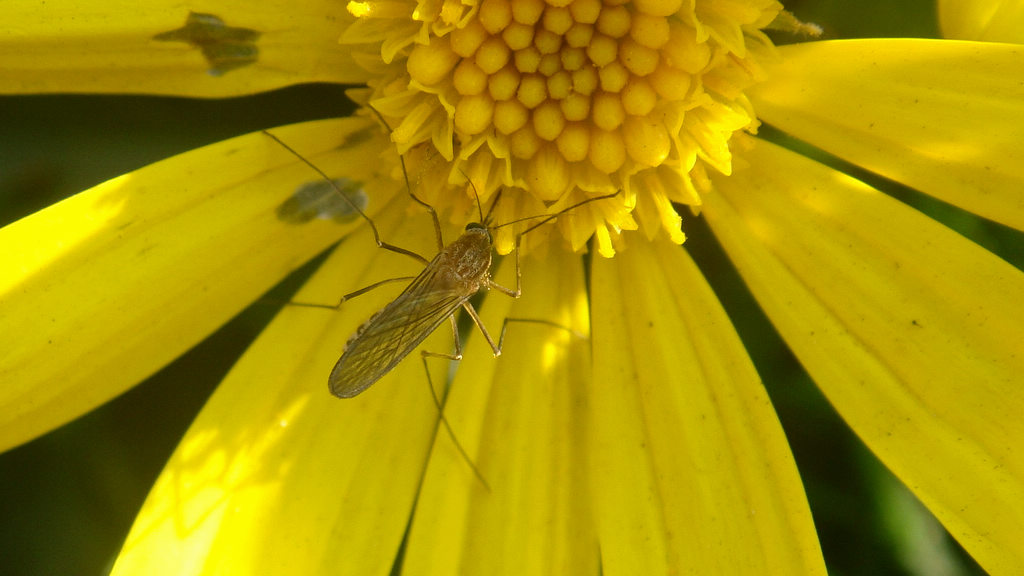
(458, 272)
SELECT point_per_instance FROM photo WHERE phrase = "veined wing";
(388, 337)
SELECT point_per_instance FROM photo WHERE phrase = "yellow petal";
(941, 116)
(522, 418)
(302, 482)
(912, 332)
(89, 47)
(692, 472)
(101, 290)
(988, 20)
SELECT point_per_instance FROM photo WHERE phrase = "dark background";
(69, 497)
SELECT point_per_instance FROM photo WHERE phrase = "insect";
(456, 273)
(447, 282)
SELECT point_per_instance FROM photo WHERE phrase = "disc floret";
(562, 100)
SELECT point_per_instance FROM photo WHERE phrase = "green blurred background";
(68, 498)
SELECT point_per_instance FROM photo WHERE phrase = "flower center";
(561, 100)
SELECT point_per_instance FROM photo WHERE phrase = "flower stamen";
(562, 100)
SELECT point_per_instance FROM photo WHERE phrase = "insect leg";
(519, 290)
(351, 295)
(519, 272)
(519, 280)
(483, 329)
(504, 328)
(373, 227)
(408, 187)
(366, 289)
(496, 348)
(440, 405)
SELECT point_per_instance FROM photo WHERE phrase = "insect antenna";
(484, 219)
(549, 217)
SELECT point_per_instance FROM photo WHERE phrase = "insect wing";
(388, 337)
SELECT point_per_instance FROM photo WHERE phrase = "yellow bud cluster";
(566, 99)
(586, 79)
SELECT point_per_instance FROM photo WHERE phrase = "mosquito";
(458, 272)
(447, 282)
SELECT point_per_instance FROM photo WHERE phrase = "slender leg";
(440, 405)
(373, 227)
(408, 188)
(519, 273)
(351, 295)
(483, 329)
(504, 328)
(496, 348)
(519, 279)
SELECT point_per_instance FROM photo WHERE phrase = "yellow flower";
(650, 446)
(996, 21)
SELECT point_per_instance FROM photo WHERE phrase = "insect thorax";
(468, 259)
